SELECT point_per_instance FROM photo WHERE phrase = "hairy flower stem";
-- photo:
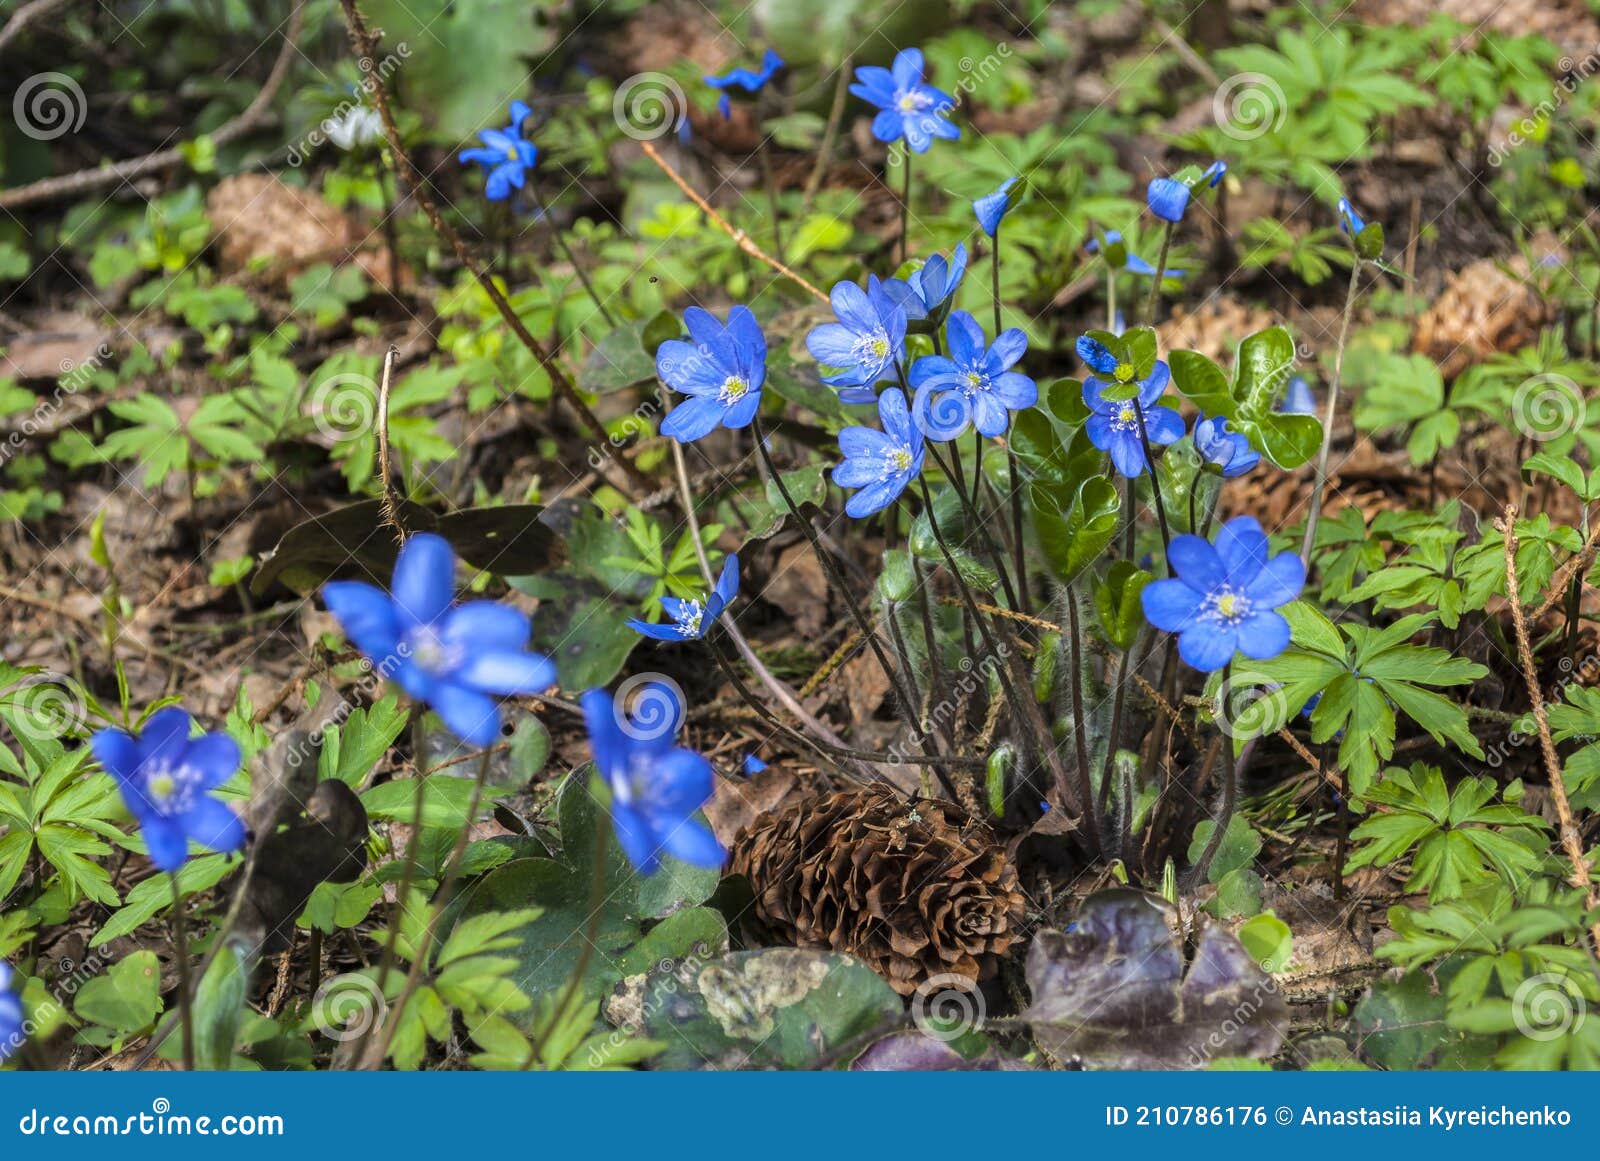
(930, 639)
(1079, 721)
(1230, 784)
(763, 674)
(180, 952)
(905, 208)
(907, 701)
(1155, 487)
(1027, 709)
(1011, 456)
(1314, 508)
(1161, 270)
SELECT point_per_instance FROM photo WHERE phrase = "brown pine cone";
(914, 888)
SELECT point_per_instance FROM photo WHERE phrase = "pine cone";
(914, 888)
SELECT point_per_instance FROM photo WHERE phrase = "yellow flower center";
(734, 389)
(1227, 603)
(162, 786)
(880, 348)
(901, 459)
(1127, 415)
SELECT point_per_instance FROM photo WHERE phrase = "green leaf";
(1074, 532)
(127, 998)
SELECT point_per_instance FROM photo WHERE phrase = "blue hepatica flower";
(1114, 425)
(1168, 197)
(991, 208)
(880, 463)
(453, 657)
(753, 764)
(505, 157)
(866, 341)
(1132, 262)
(656, 786)
(690, 620)
(929, 291)
(1224, 598)
(907, 108)
(750, 80)
(1297, 398)
(166, 781)
(1350, 221)
(1226, 451)
(12, 1018)
(722, 367)
(980, 378)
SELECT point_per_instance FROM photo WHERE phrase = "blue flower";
(908, 108)
(753, 764)
(13, 1020)
(866, 341)
(880, 463)
(1227, 451)
(1214, 173)
(991, 208)
(750, 80)
(453, 657)
(1225, 598)
(1167, 198)
(690, 620)
(1298, 399)
(1350, 221)
(1114, 425)
(722, 367)
(1132, 263)
(980, 378)
(166, 780)
(656, 786)
(504, 156)
(1097, 355)
(929, 291)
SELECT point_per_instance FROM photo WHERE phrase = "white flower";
(354, 127)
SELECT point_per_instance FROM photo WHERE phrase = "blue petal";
(727, 586)
(857, 473)
(117, 751)
(1009, 346)
(1099, 358)
(888, 125)
(471, 716)
(1207, 646)
(486, 625)
(636, 838)
(367, 616)
(216, 756)
(741, 414)
(694, 844)
(1167, 200)
(1263, 635)
(214, 826)
(712, 338)
(907, 69)
(1197, 563)
(874, 83)
(656, 632)
(1279, 581)
(1242, 546)
(832, 344)
(1169, 604)
(992, 208)
(504, 671)
(693, 419)
(166, 842)
(165, 737)
(966, 338)
(1153, 386)
(606, 741)
(894, 415)
(875, 498)
(686, 368)
(1016, 390)
(424, 578)
(851, 305)
(1127, 454)
(749, 343)
(1163, 425)
(936, 370)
